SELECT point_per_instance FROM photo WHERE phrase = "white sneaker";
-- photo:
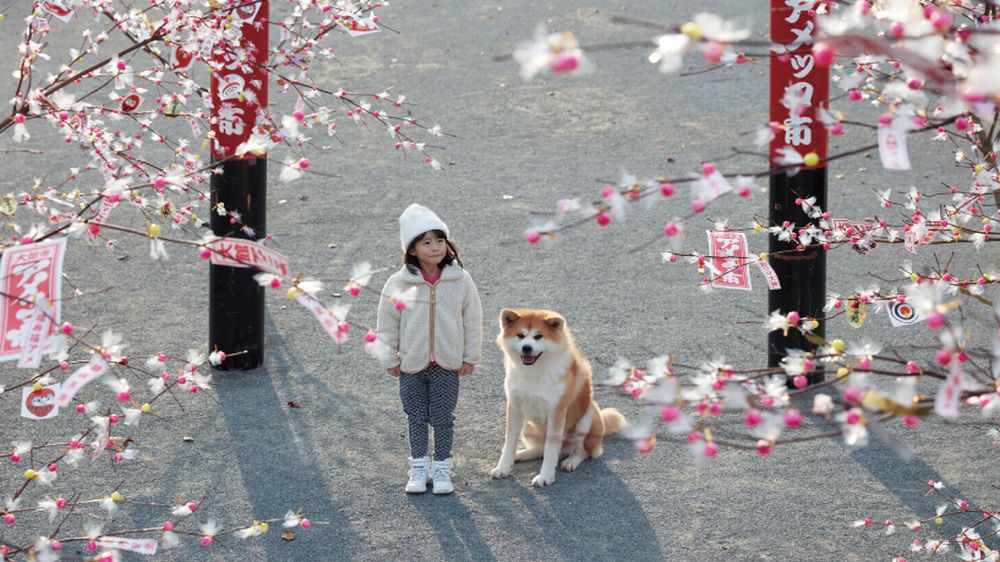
(441, 474)
(419, 476)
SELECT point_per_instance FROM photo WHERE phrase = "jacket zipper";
(430, 351)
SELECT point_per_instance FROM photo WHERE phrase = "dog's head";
(527, 334)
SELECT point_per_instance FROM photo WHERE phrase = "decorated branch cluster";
(149, 93)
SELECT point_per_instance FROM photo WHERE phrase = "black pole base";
(802, 274)
(236, 300)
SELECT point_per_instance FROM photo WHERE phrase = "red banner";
(799, 86)
(239, 85)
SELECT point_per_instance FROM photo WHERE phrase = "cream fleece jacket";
(441, 322)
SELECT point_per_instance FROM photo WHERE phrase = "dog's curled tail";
(613, 420)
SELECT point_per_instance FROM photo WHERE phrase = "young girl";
(435, 339)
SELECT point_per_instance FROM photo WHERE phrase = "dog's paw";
(543, 480)
(571, 464)
(500, 472)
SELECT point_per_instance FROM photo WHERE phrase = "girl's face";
(430, 250)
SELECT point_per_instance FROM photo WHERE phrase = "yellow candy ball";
(692, 30)
(116, 496)
(292, 293)
(914, 277)
(810, 159)
(838, 345)
(842, 372)
(763, 256)
(146, 408)
(757, 228)
(815, 324)
(263, 527)
(939, 520)
(30, 474)
(153, 230)
(37, 386)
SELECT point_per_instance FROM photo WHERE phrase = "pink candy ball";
(711, 450)
(532, 237)
(753, 418)
(763, 447)
(603, 219)
(563, 63)
(793, 418)
(670, 413)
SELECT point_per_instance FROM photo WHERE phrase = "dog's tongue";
(528, 359)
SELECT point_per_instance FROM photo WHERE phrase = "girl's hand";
(466, 369)
(395, 372)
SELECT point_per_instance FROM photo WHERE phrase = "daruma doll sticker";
(130, 103)
(39, 404)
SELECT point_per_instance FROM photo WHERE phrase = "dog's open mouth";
(530, 359)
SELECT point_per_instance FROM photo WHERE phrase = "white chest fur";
(536, 390)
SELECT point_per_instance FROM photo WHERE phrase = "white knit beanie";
(416, 220)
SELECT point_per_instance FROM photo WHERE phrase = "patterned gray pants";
(429, 397)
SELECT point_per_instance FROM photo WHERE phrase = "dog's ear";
(508, 317)
(555, 322)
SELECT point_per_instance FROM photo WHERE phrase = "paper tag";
(195, 127)
(728, 261)
(181, 59)
(142, 546)
(710, 187)
(75, 382)
(57, 9)
(101, 216)
(864, 246)
(892, 147)
(902, 314)
(131, 102)
(856, 312)
(322, 313)
(39, 404)
(39, 328)
(357, 27)
(770, 275)
(236, 252)
(948, 396)
(27, 273)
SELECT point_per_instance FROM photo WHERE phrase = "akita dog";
(549, 396)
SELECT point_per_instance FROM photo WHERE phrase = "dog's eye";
(520, 336)
(538, 337)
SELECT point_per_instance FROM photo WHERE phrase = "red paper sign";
(239, 86)
(27, 273)
(728, 260)
(236, 252)
(795, 74)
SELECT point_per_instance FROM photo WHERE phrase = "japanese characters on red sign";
(795, 75)
(239, 87)
(29, 273)
(235, 252)
(728, 260)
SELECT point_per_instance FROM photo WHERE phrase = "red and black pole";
(239, 98)
(795, 75)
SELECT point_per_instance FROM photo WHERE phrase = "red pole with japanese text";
(239, 192)
(798, 88)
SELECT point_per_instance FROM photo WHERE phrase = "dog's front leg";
(553, 444)
(514, 422)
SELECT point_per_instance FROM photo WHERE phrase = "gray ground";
(342, 456)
